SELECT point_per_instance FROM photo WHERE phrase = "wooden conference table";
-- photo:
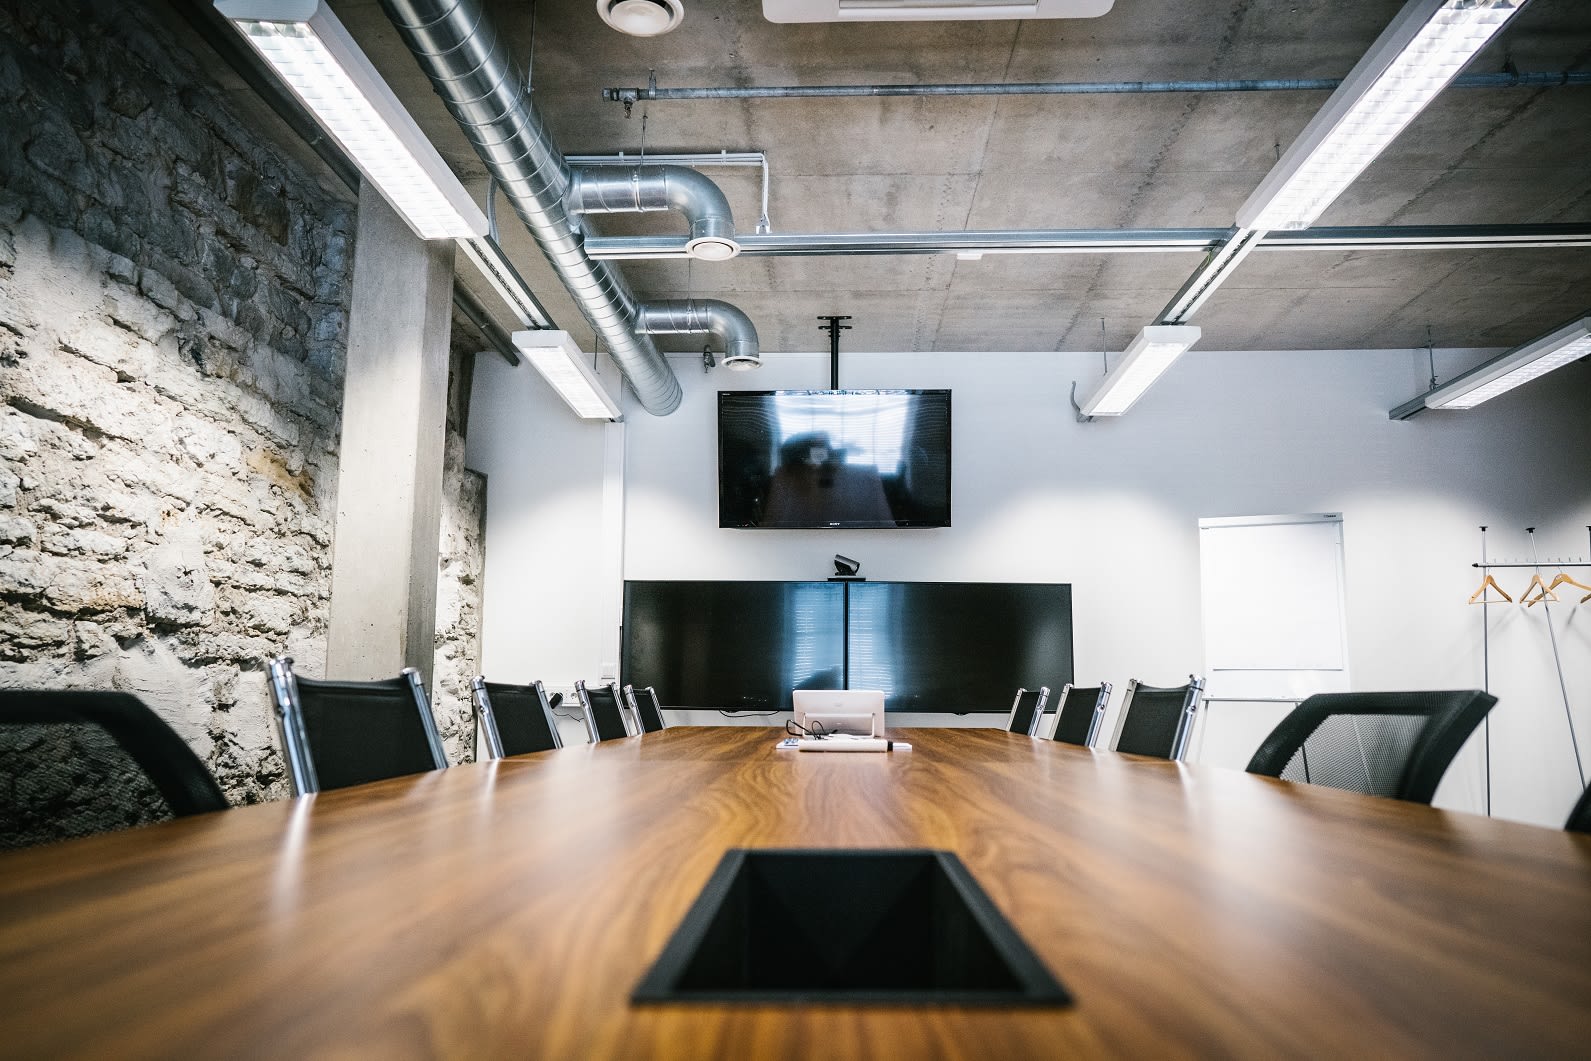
(507, 909)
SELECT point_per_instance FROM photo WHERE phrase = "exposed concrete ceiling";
(1477, 156)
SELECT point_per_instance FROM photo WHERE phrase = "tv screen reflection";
(834, 458)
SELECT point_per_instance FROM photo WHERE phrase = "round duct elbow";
(641, 18)
(641, 189)
(726, 323)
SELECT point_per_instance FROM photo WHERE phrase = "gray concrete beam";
(389, 489)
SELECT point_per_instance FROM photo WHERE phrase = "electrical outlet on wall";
(610, 672)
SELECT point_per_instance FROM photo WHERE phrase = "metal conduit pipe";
(630, 96)
(606, 190)
(470, 68)
(689, 316)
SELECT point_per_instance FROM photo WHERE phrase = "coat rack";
(1544, 593)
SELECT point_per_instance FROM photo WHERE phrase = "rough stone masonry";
(173, 303)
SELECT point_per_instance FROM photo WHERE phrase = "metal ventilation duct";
(610, 190)
(690, 316)
(470, 68)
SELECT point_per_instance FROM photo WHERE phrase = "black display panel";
(958, 646)
(739, 646)
(850, 459)
(931, 646)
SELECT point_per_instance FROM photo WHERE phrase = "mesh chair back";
(341, 733)
(604, 718)
(1580, 818)
(1080, 712)
(74, 763)
(1157, 720)
(1027, 710)
(515, 719)
(1382, 744)
(644, 706)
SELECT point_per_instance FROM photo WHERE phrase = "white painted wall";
(1111, 507)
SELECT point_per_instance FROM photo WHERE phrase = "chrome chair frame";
(487, 716)
(1038, 710)
(591, 722)
(1184, 731)
(1101, 703)
(632, 699)
(295, 737)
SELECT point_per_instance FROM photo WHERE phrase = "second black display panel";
(958, 646)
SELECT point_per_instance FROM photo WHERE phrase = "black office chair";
(1580, 818)
(1027, 710)
(1382, 744)
(337, 733)
(648, 713)
(78, 762)
(604, 716)
(1157, 720)
(1079, 713)
(514, 719)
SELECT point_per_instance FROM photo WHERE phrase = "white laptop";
(855, 711)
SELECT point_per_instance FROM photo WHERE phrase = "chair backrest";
(1081, 710)
(514, 719)
(1027, 710)
(1383, 744)
(78, 762)
(604, 717)
(337, 733)
(644, 706)
(1580, 818)
(1157, 720)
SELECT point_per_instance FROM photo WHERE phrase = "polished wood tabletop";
(508, 909)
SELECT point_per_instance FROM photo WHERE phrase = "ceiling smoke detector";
(641, 18)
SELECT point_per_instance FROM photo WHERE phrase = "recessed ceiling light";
(641, 18)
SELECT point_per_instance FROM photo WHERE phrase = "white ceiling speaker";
(641, 18)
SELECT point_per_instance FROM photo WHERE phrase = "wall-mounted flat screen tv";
(807, 459)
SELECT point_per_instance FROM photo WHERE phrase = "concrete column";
(389, 486)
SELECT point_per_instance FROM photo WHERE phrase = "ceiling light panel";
(1424, 48)
(559, 359)
(1147, 357)
(1501, 374)
(927, 10)
(316, 58)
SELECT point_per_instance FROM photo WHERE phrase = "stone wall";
(173, 302)
(173, 297)
(463, 566)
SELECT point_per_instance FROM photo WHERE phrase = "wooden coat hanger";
(1567, 580)
(1535, 584)
(1475, 598)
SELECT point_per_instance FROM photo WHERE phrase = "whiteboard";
(1272, 593)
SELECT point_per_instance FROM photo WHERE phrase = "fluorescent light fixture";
(1519, 365)
(1147, 357)
(1424, 48)
(558, 358)
(493, 264)
(316, 58)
